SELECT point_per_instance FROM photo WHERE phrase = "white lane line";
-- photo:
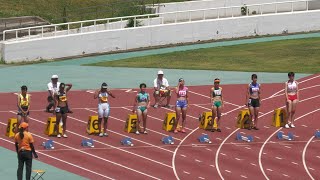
(269, 170)
(304, 125)
(208, 109)
(208, 149)
(223, 154)
(161, 120)
(272, 135)
(266, 127)
(197, 160)
(318, 157)
(285, 175)
(125, 121)
(209, 98)
(218, 138)
(253, 164)
(311, 168)
(183, 155)
(201, 177)
(66, 162)
(278, 158)
(186, 172)
(238, 159)
(287, 147)
(257, 137)
(243, 176)
(227, 171)
(89, 154)
(212, 165)
(228, 128)
(247, 147)
(294, 163)
(242, 133)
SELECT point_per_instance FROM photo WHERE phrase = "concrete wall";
(124, 39)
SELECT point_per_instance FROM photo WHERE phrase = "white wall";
(124, 39)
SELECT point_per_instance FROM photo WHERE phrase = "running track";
(225, 158)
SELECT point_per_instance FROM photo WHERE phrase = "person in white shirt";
(161, 89)
(53, 88)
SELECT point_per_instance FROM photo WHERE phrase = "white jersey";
(161, 84)
(54, 88)
(292, 87)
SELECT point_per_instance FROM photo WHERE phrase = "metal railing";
(168, 17)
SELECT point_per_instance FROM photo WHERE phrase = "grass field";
(301, 55)
(53, 10)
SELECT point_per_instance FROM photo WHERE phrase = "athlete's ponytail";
(21, 130)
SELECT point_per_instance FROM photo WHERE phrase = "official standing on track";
(292, 98)
(24, 148)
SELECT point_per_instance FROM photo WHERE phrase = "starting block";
(205, 121)
(244, 138)
(169, 121)
(243, 119)
(11, 127)
(281, 136)
(48, 144)
(204, 139)
(168, 140)
(127, 142)
(87, 143)
(317, 134)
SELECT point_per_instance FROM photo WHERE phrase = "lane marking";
(186, 172)
(201, 177)
(243, 176)
(209, 98)
(278, 158)
(269, 170)
(262, 147)
(294, 163)
(227, 171)
(197, 160)
(285, 175)
(89, 154)
(66, 162)
(253, 164)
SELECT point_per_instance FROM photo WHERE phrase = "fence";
(169, 17)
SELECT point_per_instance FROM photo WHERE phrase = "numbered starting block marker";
(282, 136)
(317, 134)
(244, 138)
(87, 143)
(204, 139)
(48, 144)
(168, 140)
(126, 142)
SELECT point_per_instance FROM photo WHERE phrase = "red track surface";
(226, 158)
